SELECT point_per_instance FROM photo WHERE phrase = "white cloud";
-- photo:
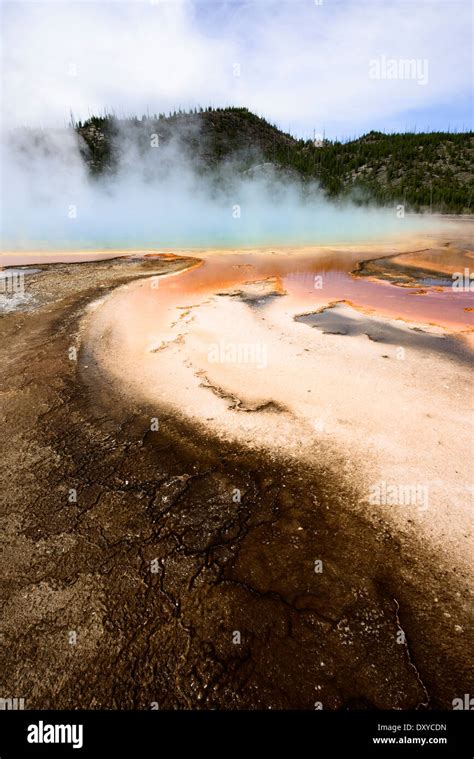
(301, 64)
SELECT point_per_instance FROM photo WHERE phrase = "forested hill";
(422, 170)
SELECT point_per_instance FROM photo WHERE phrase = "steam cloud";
(162, 197)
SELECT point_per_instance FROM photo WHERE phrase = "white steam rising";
(160, 197)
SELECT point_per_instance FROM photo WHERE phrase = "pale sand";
(366, 409)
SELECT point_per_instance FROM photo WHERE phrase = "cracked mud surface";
(156, 567)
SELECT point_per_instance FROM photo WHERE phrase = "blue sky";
(340, 67)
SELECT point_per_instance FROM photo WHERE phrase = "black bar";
(316, 733)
